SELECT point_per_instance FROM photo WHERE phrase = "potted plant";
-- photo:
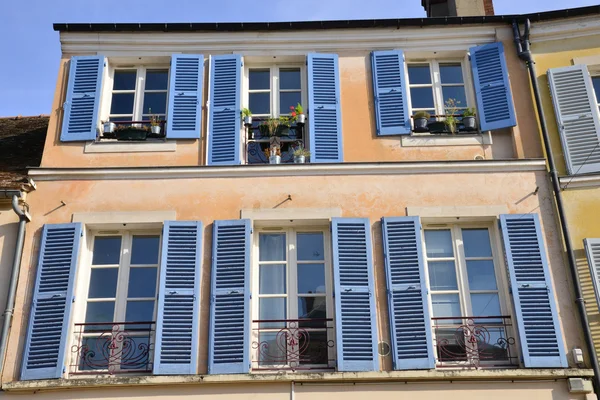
(124, 132)
(300, 155)
(247, 114)
(298, 114)
(451, 121)
(421, 119)
(268, 127)
(468, 120)
(109, 127)
(155, 124)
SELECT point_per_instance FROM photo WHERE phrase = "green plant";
(154, 118)
(130, 128)
(468, 112)
(301, 151)
(246, 112)
(421, 114)
(451, 108)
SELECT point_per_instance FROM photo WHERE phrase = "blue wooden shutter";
(229, 335)
(492, 87)
(389, 88)
(46, 346)
(410, 321)
(177, 323)
(80, 115)
(185, 96)
(224, 132)
(355, 319)
(325, 117)
(532, 291)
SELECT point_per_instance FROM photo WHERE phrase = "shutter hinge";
(73, 301)
(64, 369)
(81, 234)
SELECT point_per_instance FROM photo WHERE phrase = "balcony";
(117, 347)
(474, 342)
(258, 144)
(293, 344)
(133, 131)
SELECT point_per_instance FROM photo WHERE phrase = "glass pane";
(122, 103)
(446, 305)
(486, 305)
(271, 247)
(124, 80)
(419, 74)
(157, 79)
(144, 249)
(259, 79)
(310, 246)
(477, 242)
(455, 92)
(103, 283)
(272, 308)
(316, 349)
(450, 344)
(289, 79)
(121, 119)
(442, 275)
(481, 275)
(272, 279)
(439, 243)
(287, 100)
(272, 348)
(596, 83)
(422, 97)
(142, 282)
(107, 250)
(136, 353)
(94, 353)
(313, 308)
(451, 73)
(259, 103)
(139, 311)
(100, 311)
(155, 103)
(311, 278)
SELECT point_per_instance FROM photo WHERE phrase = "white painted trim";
(576, 182)
(269, 214)
(457, 211)
(267, 171)
(124, 217)
(565, 28)
(429, 140)
(130, 147)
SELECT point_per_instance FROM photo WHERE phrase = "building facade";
(203, 261)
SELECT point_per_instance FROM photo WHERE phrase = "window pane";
(157, 79)
(259, 79)
(139, 311)
(288, 99)
(121, 119)
(259, 103)
(446, 305)
(93, 353)
(421, 97)
(314, 308)
(122, 103)
(419, 74)
(107, 250)
(486, 305)
(272, 350)
(311, 278)
(138, 354)
(310, 246)
(481, 275)
(289, 78)
(477, 242)
(596, 84)
(451, 73)
(316, 345)
(142, 282)
(144, 249)
(125, 80)
(103, 283)
(272, 279)
(100, 311)
(272, 247)
(439, 243)
(455, 92)
(442, 275)
(272, 308)
(155, 103)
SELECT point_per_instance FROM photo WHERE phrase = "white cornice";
(574, 182)
(565, 28)
(243, 171)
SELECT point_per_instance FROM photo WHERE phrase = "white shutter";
(592, 249)
(577, 117)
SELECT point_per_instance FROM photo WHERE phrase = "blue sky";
(27, 82)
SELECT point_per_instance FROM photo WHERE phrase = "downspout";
(12, 289)
(524, 52)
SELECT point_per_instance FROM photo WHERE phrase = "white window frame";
(292, 286)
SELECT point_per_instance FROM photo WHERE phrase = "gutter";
(522, 44)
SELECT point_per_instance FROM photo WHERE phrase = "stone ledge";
(320, 377)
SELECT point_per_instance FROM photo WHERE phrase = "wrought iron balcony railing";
(257, 142)
(111, 348)
(474, 341)
(293, 344)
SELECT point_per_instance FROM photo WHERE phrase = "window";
(272, 91)
(469, 322)
(138, 93)
(596, 84)
(117, 333)
(293, 324)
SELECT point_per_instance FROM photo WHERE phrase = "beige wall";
(8, 236)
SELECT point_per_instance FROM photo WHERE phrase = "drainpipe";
(12, 289)
(524, 52)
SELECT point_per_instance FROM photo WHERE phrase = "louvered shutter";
(80, 110)
(410, 321)
(224, 132)
(492, 87)
(354, 295)
(229, 335)
(185, 96)
(177, 323)
(577, 117)
(533, 296)
(46, 346)
(389, 87)
(325, 117)
(592, 249)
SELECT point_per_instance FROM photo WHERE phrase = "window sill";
(130, 147)
(431, 140)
